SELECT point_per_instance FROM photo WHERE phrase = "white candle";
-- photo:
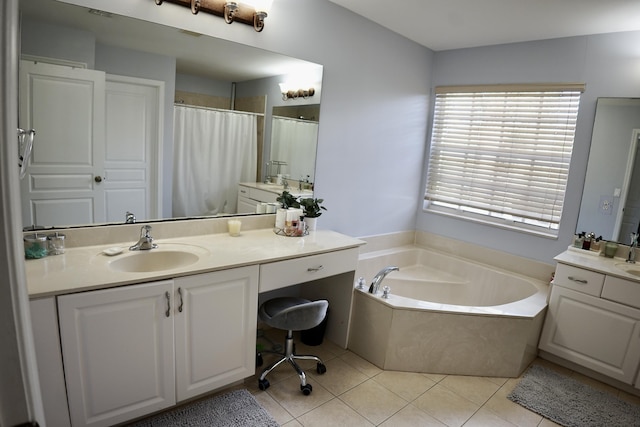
(234, 227)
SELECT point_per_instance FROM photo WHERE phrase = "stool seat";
(292, 314)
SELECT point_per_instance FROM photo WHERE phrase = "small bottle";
(577, 242)
(301, 227)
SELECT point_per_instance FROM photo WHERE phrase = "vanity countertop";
(277, 189)
(592, 261)
(87, 268)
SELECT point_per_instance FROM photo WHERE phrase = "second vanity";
(593, 320)
(251, 194)
(117, 339)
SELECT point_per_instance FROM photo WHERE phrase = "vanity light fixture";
(230, 8)
(250, 12)
(289, 92)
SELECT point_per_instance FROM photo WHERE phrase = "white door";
(133, 148)
(64, 182)
(118, 353)
(215, 329)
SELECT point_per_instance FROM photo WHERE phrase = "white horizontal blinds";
(503, 151)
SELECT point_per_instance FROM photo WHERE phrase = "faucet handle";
(361, 283)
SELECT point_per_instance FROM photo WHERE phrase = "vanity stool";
(292, 314)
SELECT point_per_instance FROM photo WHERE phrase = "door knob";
(98, 179)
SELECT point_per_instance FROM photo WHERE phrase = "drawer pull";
(573, 279)
(314, 269)
(168, 297)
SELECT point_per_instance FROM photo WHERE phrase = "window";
(501, 154)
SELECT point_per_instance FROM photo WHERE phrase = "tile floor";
(353, 392)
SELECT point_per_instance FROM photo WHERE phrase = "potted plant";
(287, 200)
(312, 210)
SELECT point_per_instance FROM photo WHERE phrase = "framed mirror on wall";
(125, 159)
(610, 204)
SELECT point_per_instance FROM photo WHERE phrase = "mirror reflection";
(610, 204)
(294, 139)
(133, 117)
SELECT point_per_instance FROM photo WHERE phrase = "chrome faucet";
(631, 258)
(375, 284)
(130, 218)
(146, 241)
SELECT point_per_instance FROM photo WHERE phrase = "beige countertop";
(87, 268)
(592, 261)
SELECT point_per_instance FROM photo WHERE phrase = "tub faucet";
(631, 258)
(375, 284)
(146, 241)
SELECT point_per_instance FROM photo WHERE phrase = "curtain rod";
(296, 119)
(222, 110)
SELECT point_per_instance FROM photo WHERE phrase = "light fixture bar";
(231, 11)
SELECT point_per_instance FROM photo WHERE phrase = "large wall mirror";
(610, 204)
(165, 123)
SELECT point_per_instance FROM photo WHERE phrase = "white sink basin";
(163, 258)
(633, 269)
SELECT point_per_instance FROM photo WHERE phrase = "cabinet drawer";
(579, 279)
(623, 291)
(280, 274)
(263, 196)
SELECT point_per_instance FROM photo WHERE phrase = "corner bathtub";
(446, 315)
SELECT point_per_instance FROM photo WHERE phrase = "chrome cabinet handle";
(573, 279)
(181, 300)
(168, 296)
(314, 269)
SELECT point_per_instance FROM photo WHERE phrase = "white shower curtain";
(213, 151)
(294, 141)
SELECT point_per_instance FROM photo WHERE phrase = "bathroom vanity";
(251, 194)
(117, 338)
(593, 320)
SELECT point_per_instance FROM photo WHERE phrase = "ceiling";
(454, 24)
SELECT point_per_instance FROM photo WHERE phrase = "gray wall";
(608, 64)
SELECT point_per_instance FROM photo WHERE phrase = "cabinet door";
(215, 329)
(592, 332)
(117, 346)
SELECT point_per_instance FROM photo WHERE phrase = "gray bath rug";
(234, 409)
(571, 403)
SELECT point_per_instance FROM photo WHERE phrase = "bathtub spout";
(375, 284)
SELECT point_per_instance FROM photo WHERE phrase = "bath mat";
(571, 403)
(234, 409)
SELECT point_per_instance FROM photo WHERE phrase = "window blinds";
(503, 152)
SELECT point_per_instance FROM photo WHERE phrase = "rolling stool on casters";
(292, 314)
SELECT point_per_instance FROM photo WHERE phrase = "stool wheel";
(306, 389)
(263, 384)
(320, 368)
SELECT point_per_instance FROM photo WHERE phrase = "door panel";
(66, 108)
(133, 147)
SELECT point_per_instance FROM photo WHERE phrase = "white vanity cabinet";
(215, 329)
(117, 347)
(591, 321)
(133, 350)
(250, 197)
